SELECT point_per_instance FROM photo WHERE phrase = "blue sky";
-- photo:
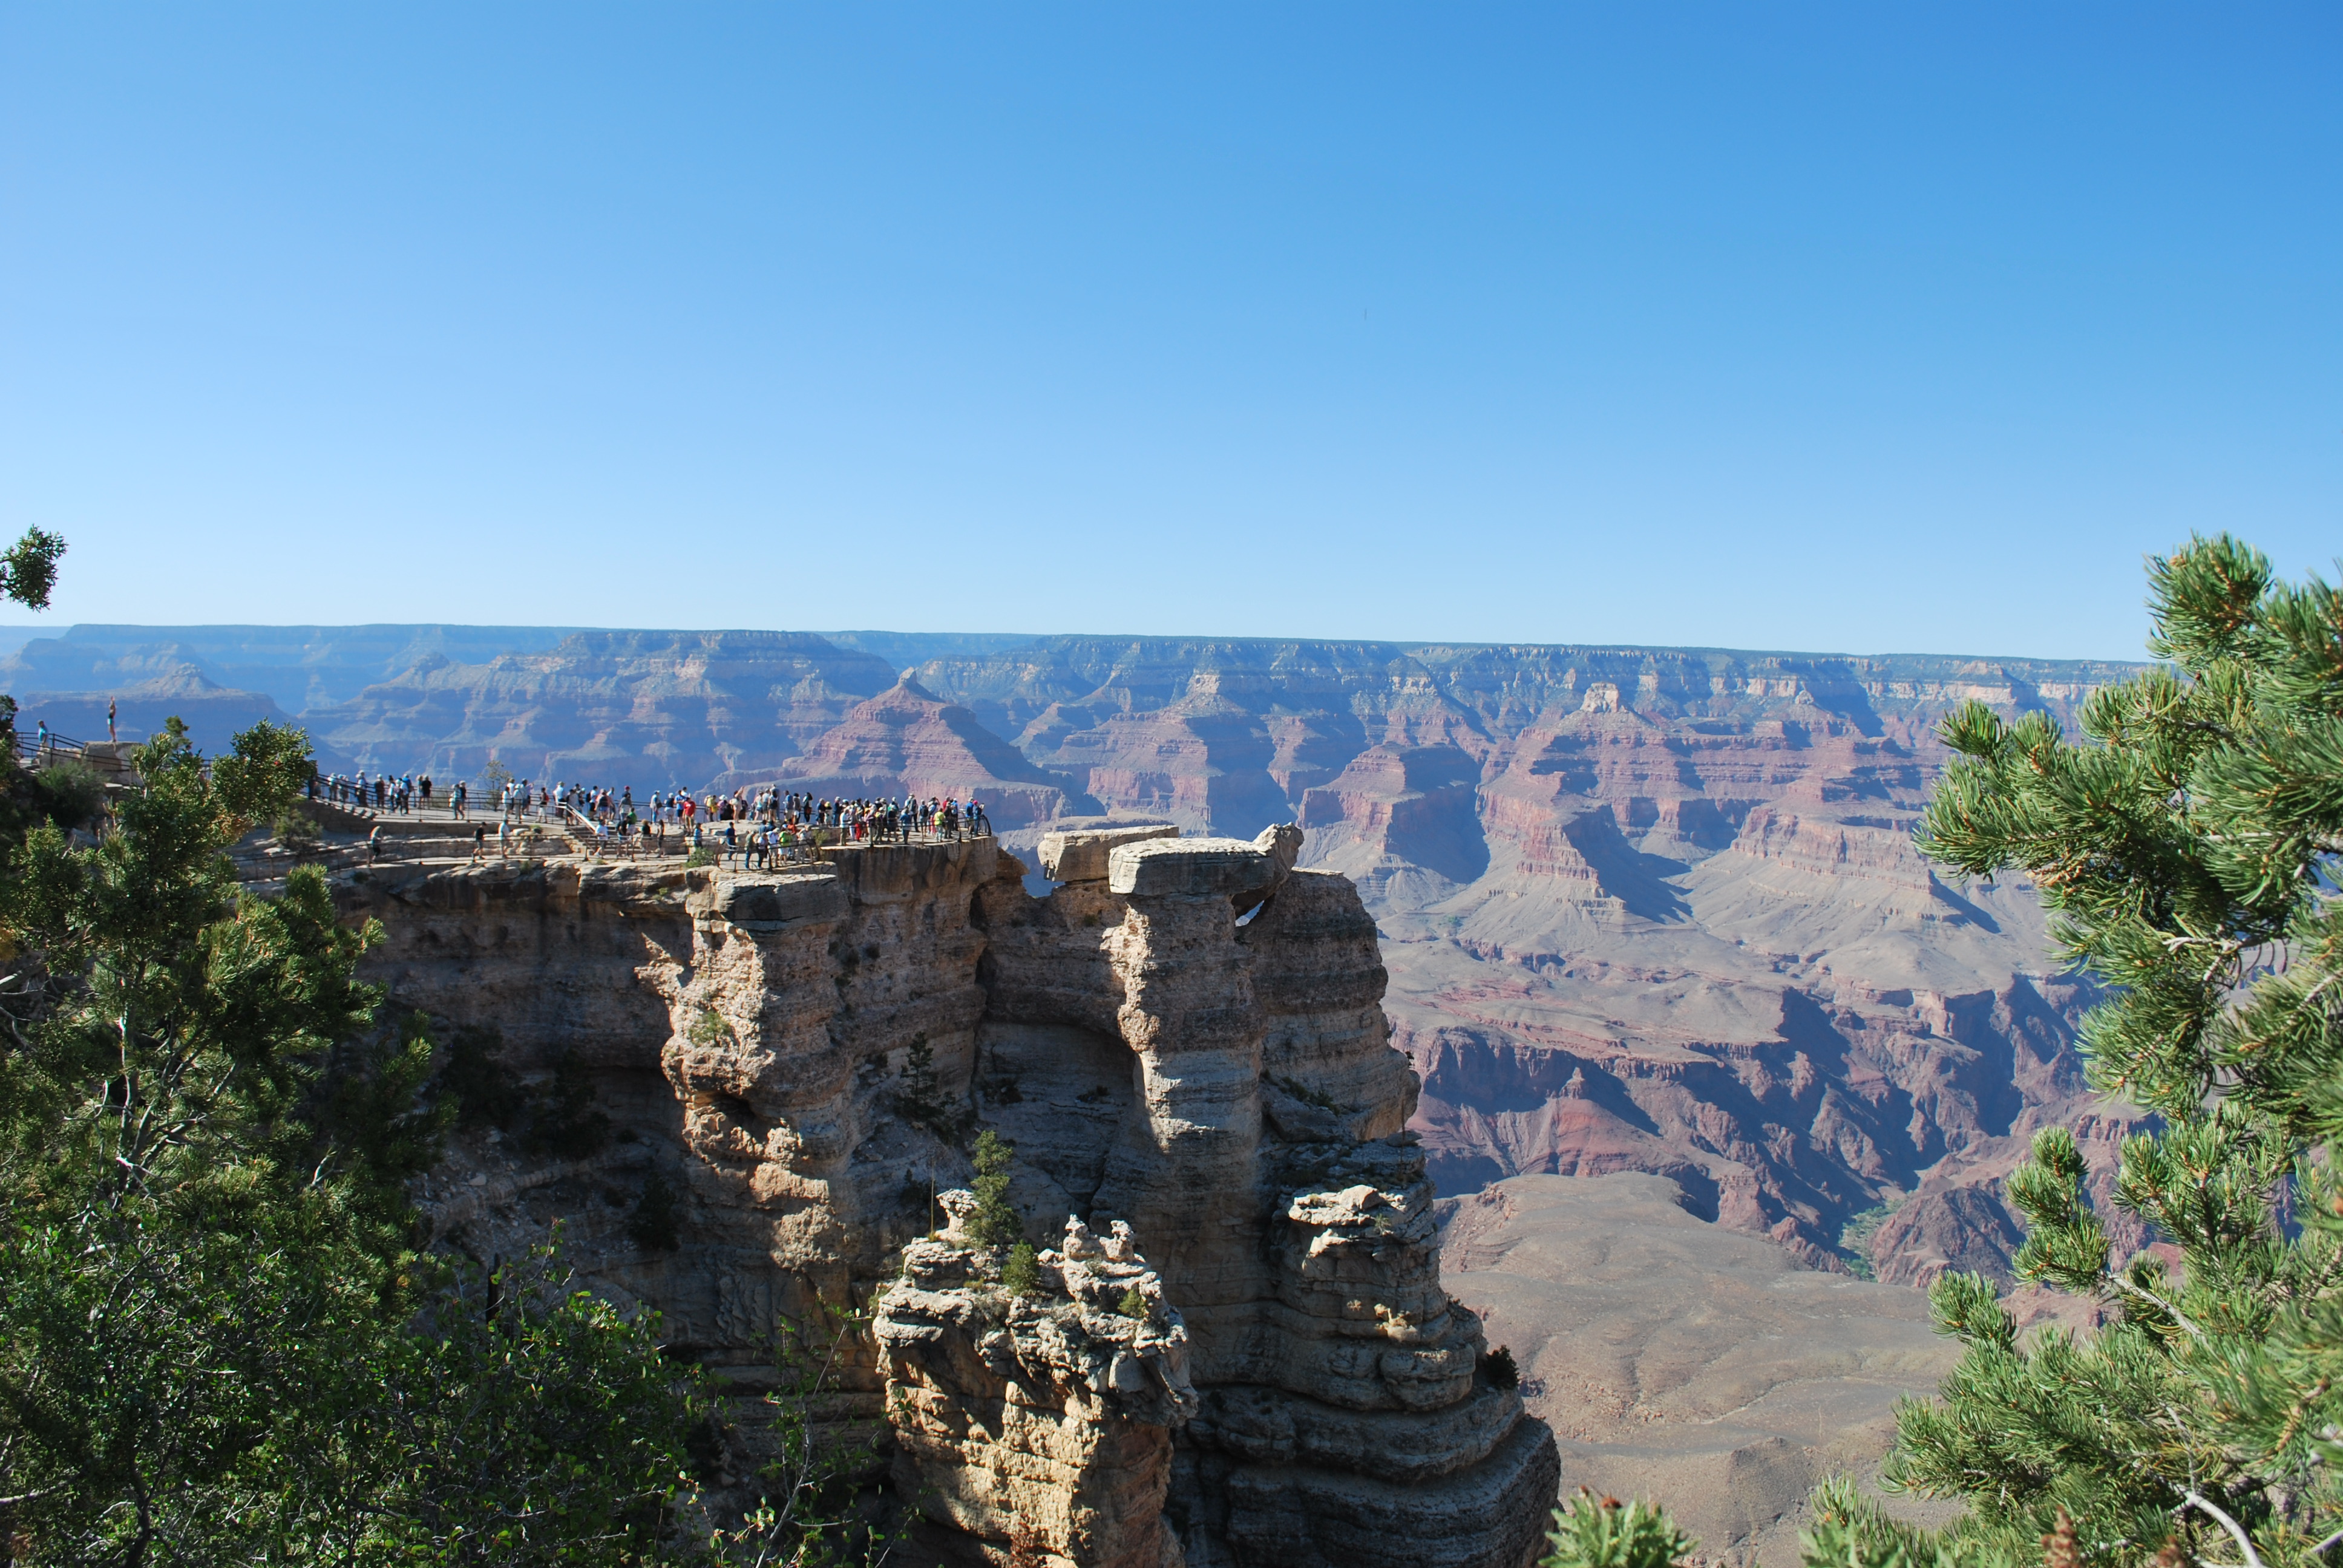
(1857, 328)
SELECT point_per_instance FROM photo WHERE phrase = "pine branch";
(2160, 1303)
(2237, 1530)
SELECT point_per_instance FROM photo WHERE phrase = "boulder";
(770, 903)
(1080, 854)
(1190, 868)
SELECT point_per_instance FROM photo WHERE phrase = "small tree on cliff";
(995, 1223)
(2188, 854)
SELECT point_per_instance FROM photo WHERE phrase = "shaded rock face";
(1051, 1411)
(1223, 1095)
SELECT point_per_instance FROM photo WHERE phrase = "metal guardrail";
(43, 744)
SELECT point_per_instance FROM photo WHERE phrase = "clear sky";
(1868, 327)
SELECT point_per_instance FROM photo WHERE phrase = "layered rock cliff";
(649, 708)
(1185, 1043)
(1679, 880)
(907, 740)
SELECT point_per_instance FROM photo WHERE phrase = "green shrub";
(1133, 1305)
(1498, 1366)
(217, 1343)
(1022, 1275)
(1603, 1533)
(71, 793)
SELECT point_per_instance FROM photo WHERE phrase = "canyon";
(1632, 916)
(1642, 909)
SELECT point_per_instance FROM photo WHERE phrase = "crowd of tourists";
(759, 826)
(400, 792)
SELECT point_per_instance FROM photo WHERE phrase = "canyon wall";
(1642, 909)
(1185, 1043)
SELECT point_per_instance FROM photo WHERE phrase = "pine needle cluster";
(2186, 849)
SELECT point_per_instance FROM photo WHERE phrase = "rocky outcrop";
(1079, 854)
(1650, 869)
(1343, 1412)
(1043, 1418)
(1189, 1055)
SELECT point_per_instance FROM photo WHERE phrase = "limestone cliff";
(1680, 879)
(1187, 1049)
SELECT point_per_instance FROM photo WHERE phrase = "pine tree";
(216, 1341)
(2187, 851)
(995, 1223)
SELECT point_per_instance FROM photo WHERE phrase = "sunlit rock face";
(1189, 1053)
(1642, 909)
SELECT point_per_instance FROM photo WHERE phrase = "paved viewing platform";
(435, 838)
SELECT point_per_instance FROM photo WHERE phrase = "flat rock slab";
(1080, 854)
(770, 903)
(1191, 867)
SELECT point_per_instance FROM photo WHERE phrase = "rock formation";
(1050, 1410)
(1188, 1051)
(1643, 909)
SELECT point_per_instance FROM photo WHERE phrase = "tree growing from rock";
(995, 1223)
